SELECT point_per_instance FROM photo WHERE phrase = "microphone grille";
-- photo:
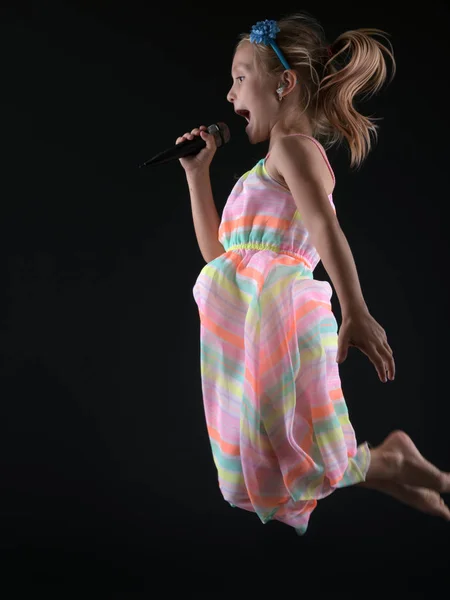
(221, 132)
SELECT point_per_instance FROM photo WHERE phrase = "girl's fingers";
(391, 366)
(377, 361)
(189, 135)
(385, 365)
(185, 136)
(389, 360)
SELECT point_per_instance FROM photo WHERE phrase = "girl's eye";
(241, 77)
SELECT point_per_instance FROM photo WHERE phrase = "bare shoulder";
(308, 155)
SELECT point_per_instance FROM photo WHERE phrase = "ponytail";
(364, 74)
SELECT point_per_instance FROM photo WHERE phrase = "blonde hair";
(329, 85)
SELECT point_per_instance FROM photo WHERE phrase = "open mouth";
(245, 114)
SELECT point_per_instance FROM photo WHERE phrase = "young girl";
(278, 423)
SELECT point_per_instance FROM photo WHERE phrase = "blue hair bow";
(265, 32)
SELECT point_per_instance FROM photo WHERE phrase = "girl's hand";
(199, 162)
(362, 331)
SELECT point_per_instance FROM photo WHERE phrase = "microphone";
(219, 130)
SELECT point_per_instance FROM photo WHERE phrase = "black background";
(106, 469)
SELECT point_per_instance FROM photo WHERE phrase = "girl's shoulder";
(317, 152)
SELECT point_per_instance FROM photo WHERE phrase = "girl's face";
(254, 94)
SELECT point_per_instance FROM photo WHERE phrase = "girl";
(278, 423)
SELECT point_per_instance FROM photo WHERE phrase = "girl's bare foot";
(398, 460)
(428, 501)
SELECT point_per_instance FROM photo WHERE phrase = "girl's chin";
(250, 134)
(248, 129)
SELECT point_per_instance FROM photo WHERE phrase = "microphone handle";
(186, 148)
(221, 134)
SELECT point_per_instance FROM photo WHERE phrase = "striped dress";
(277, 420)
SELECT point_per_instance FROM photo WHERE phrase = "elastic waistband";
(271, 247)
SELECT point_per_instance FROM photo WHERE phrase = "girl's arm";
(297, 160)
(205, 216)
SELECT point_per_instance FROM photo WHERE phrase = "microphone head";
(221, 133)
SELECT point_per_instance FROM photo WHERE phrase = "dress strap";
(322, 151)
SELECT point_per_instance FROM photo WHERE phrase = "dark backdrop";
(106, 466)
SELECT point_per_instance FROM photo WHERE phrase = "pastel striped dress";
(277, 420)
